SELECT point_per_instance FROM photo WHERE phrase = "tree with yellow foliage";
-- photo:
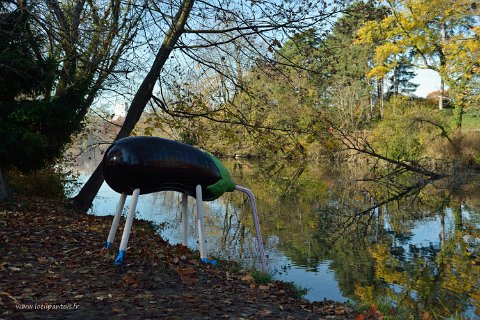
(441, 35)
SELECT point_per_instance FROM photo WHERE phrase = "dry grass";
(463, 149)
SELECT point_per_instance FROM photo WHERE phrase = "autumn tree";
(337, 68)
(196, 33)
(440, 35)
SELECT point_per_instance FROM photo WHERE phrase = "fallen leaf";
(186, 271)
(195, 262)
(264, 312)
(189, 280)
(192, 299)
(187, 275)
(248, 278)
(8, 295)
(117, 309)
(340, 310)
(42, 260)
(144, 296)
(129, 280)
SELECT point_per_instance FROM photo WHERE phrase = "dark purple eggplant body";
(154, 164)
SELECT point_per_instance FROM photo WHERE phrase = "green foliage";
(407, 128)
(34, 126)
(471, 120)
(22, 71)
(400, 78)
(337, 68)
(35, 131)
(441, 35)
(262, 277)
(298, 290)
(229, 265)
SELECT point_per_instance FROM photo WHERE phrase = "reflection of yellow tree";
(313, 217)
(441, 286)
(461, 260)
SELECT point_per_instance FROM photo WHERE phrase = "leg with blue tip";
(184, 219)
(128, 227)
(261, 248)
(201, 224)
(116, 221)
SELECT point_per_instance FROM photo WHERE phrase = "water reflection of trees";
(440, 279)
(364, 229)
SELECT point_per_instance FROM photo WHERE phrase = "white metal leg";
(128, 227)
(184, 219)
(201, 224)
(257, 226)
(116, 220)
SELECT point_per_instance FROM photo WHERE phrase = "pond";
(409, 243)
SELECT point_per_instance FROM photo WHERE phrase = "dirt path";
(52, 266)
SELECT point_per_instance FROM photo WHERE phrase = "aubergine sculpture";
(141, 165)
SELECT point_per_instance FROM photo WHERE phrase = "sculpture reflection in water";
(141, 165)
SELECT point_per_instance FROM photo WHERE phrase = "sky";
(429, 81)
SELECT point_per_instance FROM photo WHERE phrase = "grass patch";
(298, 290)
(230, 266)
(262, 277)
(470, 119)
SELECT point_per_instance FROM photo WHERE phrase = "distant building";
(435, 97)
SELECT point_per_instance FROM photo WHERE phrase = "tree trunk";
(3, 188)
(85, 197)
(442, 227)
(370, 98)
(442, 67)
(442, 94)
(395, 80)
(381, 95)
(458, 112)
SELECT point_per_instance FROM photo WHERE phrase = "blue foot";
(120, 258)
(108, 244)
(205, 260)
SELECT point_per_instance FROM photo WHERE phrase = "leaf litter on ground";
(53, 266)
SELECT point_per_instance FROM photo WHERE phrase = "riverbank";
(53, 266)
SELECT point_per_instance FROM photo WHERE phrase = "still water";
(406, 243)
